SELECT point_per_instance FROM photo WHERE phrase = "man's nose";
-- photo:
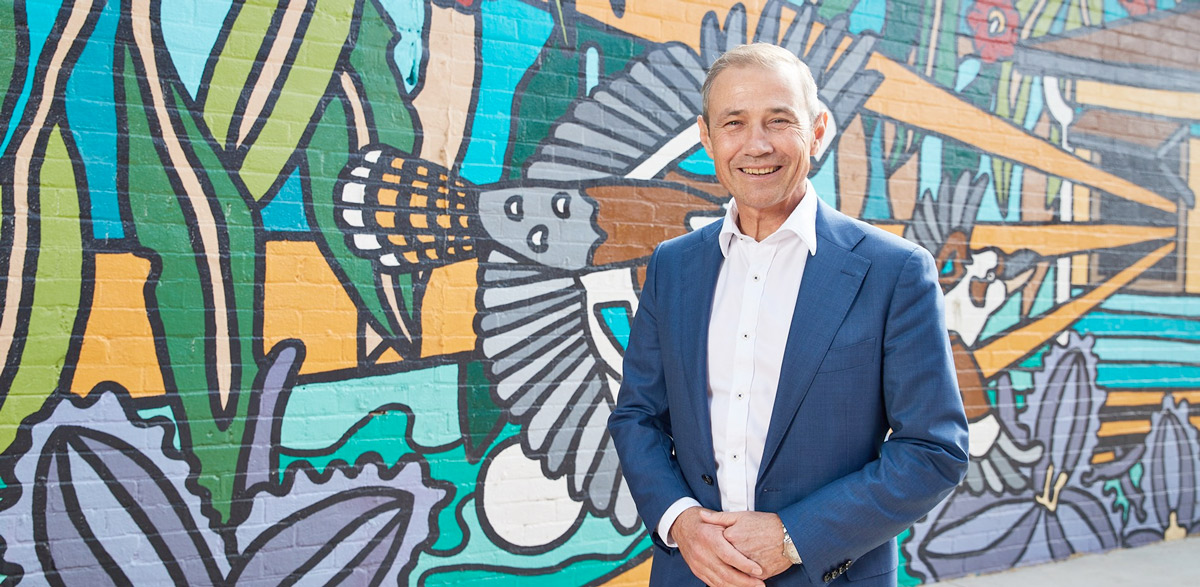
(759, 142)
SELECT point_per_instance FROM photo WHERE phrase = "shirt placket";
(757, 258)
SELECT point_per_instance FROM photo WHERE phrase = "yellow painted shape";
(663, 22)
(638, 576)
(1191, 255)
(389, 356)
(1011, 347)
(448, 310)
(1123, 428)
(1132, 99)
(118, 343)
(907, 97)
(1150, 397)
(303, 299)
(1054, 240)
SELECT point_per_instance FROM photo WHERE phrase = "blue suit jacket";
(867, 352)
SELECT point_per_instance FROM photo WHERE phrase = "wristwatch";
(789, 549)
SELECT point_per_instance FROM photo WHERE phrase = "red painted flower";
(995, 24)
(1137, 7)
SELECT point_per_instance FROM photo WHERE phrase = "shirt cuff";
(668, 519)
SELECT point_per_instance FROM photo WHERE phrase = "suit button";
(828, 577)
(707, 479)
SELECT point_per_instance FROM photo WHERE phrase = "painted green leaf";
(247, 24)
(390, 108)
(328, 152)
(180, 291)
(58, 293)
(308, 75)
(8, 47)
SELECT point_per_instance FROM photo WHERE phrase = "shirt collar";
(802, 222)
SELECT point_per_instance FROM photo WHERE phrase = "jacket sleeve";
(640, 424)
(924, 457)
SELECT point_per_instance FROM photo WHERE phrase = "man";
(771, 355)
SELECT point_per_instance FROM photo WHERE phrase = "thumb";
(725, 519)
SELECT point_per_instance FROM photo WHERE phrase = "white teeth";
(763, 171)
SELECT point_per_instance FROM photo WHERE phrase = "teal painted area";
(989, 208)
(408, 19)
(92, 115)
(825, 182)
(319, 414)
(1135, 474)
(591, 69)
(1009, 314)
(596, 538)
(876, 207)
(617, 320)
(284, 212)
(383, 435)
(190, 29)
(1113, 11)
(163, 412)
(1147, 350)
(1186, 306)
(904, 579)
(1020, 380)
(1044, 301)
(699, 163)
(868, 15)
(1147, 375)
(968, 70)
(1121, 501)
(39, 19)
(1037, 102)
(1110, 324)
(513, 34)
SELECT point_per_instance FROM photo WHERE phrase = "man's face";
(760, 137)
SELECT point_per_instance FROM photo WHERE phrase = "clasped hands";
(740, 549)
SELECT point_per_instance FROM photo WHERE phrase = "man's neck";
(760, 224)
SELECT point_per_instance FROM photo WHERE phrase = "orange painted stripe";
(907, 97)
(1011, 347)
(1054, 240)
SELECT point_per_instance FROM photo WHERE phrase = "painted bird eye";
(561, 205)
(539, 239)
(514, 208)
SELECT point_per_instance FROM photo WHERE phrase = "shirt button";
(745, 336)
(739, 396)
(756, 278)
(735, 457)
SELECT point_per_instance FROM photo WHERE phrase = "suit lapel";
(702, 266)
(831, 281)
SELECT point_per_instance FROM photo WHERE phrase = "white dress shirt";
(752, 312)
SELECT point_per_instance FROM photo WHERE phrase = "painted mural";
(338, 291)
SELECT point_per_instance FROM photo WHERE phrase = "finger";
(719, 518)
(732, 557)
(722, 575)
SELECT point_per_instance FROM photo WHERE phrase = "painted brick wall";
(339, 289)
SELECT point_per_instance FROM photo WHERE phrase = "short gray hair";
(763, 55)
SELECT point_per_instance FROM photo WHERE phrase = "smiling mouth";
(759, 170)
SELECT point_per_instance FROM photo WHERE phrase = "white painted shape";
(982, 435)
(366, 242)
(675, 148)
(353, 218)
(603, 287)
(521, 505)
(354, 193)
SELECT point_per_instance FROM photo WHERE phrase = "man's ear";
(819, 131)
(704, 138)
